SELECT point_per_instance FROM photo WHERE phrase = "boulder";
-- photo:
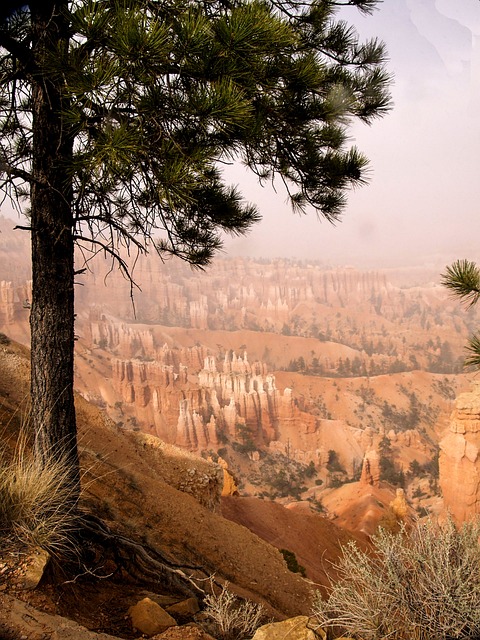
(299, 628)
(184, 632)
(184, 608)
(36, 563)
(149, 618)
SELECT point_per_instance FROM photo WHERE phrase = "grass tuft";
(37, 503)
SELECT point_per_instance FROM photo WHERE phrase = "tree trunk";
(52, 311)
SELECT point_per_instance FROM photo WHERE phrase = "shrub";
(336, 481)
(292, 562)
(234, 619)
(333, 463)
(422, 586)
(36, 501)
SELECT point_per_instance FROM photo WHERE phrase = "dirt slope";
(123, 483)
(315, 540)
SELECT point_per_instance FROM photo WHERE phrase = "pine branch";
(16, 172)
(17, 49)
(462, 278)
(473, 348)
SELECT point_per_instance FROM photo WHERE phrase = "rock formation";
(194, 409)
(459, 458)
(336, 359)
(14, 302)
(299, 628)
(371, 468)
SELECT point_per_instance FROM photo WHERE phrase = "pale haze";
(422, 203)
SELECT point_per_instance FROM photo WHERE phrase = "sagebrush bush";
(424, 585)
(234, 619)
(37, 504)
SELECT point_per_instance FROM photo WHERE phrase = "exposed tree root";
(142, 562)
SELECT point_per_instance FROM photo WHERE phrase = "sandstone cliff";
(460, 458)
(338, 360)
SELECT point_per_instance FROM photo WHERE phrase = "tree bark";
(52, 311)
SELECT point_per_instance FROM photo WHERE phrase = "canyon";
(306, 383)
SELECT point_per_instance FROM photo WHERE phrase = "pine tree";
(116, 117)
(462, 278)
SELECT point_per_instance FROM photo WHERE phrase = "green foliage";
(402, 420)
(432, 467)
(415, 468)
(424, 586)
(117, 116)
(445, 388)
(246, 444)
(429, 468)
(388, 470)
(292, 562)
(367, 394)
(462, 278)
(333, 463)
(286, 477)
(336, 481)
(310, 470)
(245, 447)
(390, 473)
(157, 93)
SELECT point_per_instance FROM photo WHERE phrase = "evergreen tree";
(115, 119)
(463, 280)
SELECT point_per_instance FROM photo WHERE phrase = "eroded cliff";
(460, 458)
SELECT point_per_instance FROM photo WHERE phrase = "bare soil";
(123, 485)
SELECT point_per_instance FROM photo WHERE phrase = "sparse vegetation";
(245, 443)
(285, 476)
(292, 562)
(421, 586)
(233, 619)
(388, 470)
(445, 388)
(333, 463)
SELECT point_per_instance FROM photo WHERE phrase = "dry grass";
(36, 502)
(421, 586)
(233, 619)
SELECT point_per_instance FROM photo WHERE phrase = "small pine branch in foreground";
(462, 278)
(37, 503)
(419, 586)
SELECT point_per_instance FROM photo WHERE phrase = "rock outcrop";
(232, 399)
(371, 468)
(299, 628)
(149, 618)
(14, 302)
(336, 357)
(460, 459)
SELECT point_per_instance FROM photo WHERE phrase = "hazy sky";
(423, 201)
